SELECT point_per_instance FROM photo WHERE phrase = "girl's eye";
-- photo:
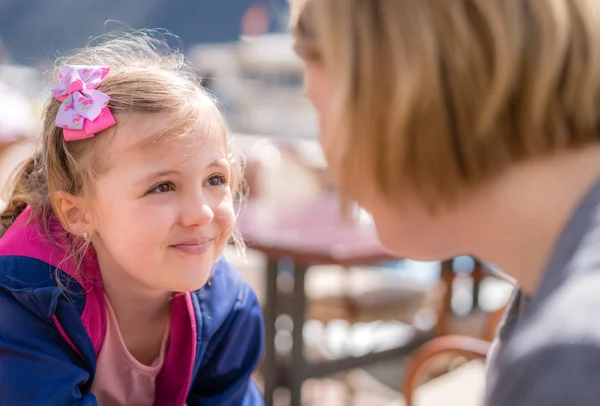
(162, 188)
(216, 180)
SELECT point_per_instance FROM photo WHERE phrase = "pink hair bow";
(84, 111)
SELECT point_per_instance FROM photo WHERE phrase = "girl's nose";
(197, 211)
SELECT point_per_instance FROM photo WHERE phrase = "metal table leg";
(444, 315)
(298, 367)
(270, 314)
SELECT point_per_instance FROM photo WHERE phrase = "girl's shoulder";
(35, 254)
(36, 266)
(38, 272)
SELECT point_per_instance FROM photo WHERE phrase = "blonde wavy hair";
(442, 96)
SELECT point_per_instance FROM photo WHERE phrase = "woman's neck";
(516, 223)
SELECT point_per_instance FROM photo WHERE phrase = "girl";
(113, 290)
(473, 126)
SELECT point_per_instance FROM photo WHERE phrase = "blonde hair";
(146, 76)
(442, 96)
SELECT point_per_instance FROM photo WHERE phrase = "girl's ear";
(74, 213)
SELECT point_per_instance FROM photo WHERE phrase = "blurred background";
(345, 323)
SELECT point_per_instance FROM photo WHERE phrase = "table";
(307, 233)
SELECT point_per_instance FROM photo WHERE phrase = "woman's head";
(424, 103)
(153, 192)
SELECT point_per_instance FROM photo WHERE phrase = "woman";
(472, 127)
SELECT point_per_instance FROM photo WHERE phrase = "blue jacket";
(51, 335)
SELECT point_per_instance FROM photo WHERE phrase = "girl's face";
(405, 228)
(163, 211)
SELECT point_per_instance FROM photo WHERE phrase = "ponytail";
(26, 191)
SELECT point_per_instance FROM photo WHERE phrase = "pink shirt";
(120, 378)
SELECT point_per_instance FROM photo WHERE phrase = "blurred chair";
(359, 295)
(362, 295)
(461, 383)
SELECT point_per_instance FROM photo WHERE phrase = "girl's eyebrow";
(157, 174)
(220, 163)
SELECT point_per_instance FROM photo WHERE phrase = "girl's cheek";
(225, 214)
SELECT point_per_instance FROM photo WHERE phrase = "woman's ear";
(73, 213)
